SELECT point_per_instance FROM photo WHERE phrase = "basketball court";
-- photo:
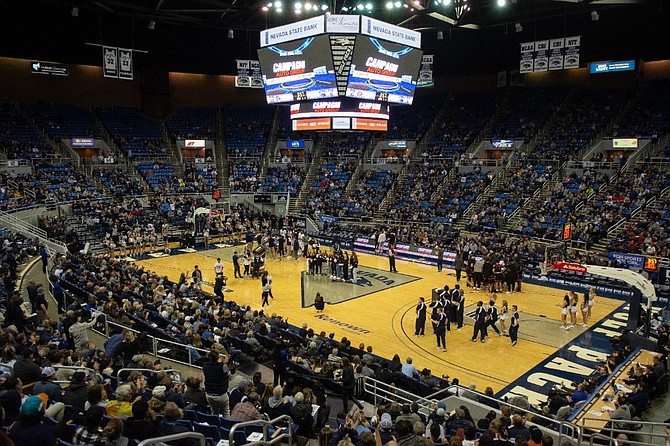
(378, 310)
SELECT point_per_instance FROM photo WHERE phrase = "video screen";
(298, 70)
(383, 71)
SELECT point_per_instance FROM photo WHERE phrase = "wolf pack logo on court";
(368, 280)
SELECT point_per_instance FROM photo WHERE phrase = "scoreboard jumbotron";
(340, 72)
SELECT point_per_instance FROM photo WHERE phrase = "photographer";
(216, 383)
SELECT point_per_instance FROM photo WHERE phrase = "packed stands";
(287, 178)
(162, 179)
(650, 118)
(366, 195)
(246, 131)
(137, 135)
(525, 113)
(411, 123)
(457, 195)
(119, 183)
(328, 186)
(577, 121)
(411, 200)
(463, 118)
(18, 139)
(244, 175)
(192, 123)
(63, 121)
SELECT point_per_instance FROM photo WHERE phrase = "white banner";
(125, 64)
(426, 72)
(624, 143)
(343, 24)
(501, 79)
(248, 74)
(392, 33)
(110, 62)
(572, 52)
(556, 54)
(541, 62)
(527, 54)
(293, 31)
(194, 143)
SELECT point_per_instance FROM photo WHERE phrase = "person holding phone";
(217, 377)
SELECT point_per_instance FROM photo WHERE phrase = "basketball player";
(514, 327)
(439, 324)
(420, 326)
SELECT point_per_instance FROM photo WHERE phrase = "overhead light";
(231, 34)
(440, 35)
(501, 3)
(151, 25)
(518, 27)
(265, 9)
(368, 6)
(595, 16)
(297, 5)
(74, 12)
(270, 5)
(447, 2)
(279, 10)
(360, 7)
(389, 5)
(417, 2)
(308, 6)
(324, 7)
(278, 4)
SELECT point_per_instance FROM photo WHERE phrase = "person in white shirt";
(218, 267)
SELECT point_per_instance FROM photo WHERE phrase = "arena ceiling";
(478, 36)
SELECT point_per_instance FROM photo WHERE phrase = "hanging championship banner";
(571, 59)
(110, 62)
(527, 54)
(541, 62)
(248, 74)
(426, 72)
(125, 64)
(556, 54)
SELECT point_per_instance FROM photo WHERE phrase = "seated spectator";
(277, 405)
(247, 410)
(409, 370)
(169, 426)
(46, 385)
(517, 429)
(90, 434)
(142, 424)
(121, 407)
(194, 395)
(113, 433)
(77, 393)
(30, 430)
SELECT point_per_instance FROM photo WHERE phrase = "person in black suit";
(391, 254)
(480, 322)
(420, 317)
(439, 321)
(514, 328)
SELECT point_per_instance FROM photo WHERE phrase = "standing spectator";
(44, 256)
(79, 330)
(348, 385)
(216, 383)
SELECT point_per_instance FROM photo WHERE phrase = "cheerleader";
(574, 301)
(504, 309)
(565, 309)
(592, 298)
(585, 310)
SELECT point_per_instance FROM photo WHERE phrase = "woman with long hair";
(574, 301)
(585, 310)
(565, 309)
(592, 299)
(502, 317)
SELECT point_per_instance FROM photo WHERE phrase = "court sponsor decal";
(344, 325)
(368, 280)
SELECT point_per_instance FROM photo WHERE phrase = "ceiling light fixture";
(74, 12)
(151, 25)
(231, 34)
(518, 27)
(595, 16)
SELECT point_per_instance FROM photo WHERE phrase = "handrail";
(265, 424)
(167, 371)
(610, 441)
(32, 231)
(89, 371)
(599, 428)
(166, 438)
